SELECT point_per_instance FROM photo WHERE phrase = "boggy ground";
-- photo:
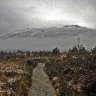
(74, 74)
(15, 77)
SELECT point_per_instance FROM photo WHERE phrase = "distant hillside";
(70, 30)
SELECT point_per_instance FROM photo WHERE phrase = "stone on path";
(41, 85)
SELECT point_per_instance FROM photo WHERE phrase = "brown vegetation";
(74, 74)
(15, 77)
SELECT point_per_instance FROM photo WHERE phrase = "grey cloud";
(18, 14)
(11, 17)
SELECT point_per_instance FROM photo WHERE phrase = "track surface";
(41, 85)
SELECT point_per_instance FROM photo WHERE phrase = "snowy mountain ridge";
(70, 30)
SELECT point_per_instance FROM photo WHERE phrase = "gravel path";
(41, 85)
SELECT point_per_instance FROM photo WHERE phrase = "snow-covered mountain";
(70, 30)
(47, 38)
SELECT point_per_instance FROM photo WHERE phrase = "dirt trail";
(41, 85)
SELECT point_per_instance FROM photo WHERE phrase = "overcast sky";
(19, 14)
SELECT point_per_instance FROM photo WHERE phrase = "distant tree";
(1, 54)
(93, 50)
(82, 49)
(55, 51)
(28, 53)
(19, 51)
(73, 50)
(41, 53)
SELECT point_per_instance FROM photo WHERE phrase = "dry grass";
(15, 77)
